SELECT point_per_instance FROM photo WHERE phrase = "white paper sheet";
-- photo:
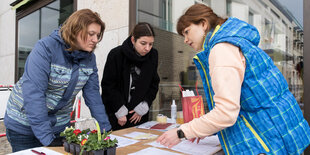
(206, 146)
(147, 125)
(39, 149)
(153, 151)
(141, 135)
(122, 141)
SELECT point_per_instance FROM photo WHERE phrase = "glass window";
(281, 38)
(251, 18)
(37, 25)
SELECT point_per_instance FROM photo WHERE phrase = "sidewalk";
(5, 146)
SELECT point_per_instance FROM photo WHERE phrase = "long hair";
(79, 22)
(196, 14)
(142, 29)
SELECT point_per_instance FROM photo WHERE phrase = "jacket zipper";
(255, 134)
(212, 103)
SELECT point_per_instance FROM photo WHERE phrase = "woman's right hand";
(122, 121)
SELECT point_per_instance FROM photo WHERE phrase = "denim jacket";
(41, 100)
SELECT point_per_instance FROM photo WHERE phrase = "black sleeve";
(110, 85)
(152, 92)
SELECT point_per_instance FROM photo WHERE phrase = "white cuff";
(142, 108)
(123, 111)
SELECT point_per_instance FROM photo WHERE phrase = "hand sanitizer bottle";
(173, 111)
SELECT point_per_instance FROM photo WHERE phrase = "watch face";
(180, 134)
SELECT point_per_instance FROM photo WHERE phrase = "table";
(131, 148)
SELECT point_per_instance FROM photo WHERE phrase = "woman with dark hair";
(130, 80)
(58, 67)
(251, 108)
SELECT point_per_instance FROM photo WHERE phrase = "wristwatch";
(181, 134)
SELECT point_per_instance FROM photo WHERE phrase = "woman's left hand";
(135, 117)
(169, 138)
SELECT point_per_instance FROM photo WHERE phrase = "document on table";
(122, 141)
(141, 135)
(39, 149)
(147, 125)
(153, 151)
(150, 124)
(208, 145)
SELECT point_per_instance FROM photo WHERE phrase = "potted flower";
(88, 142)
(71, 139)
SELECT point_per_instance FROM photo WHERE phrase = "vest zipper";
(212, 103)
(255, 134)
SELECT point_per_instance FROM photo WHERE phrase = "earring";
(204, 35)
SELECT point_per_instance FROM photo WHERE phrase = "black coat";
(116, 79)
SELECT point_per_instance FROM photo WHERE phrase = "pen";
(37, 152)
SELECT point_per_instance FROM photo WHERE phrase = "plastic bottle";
(173, 111)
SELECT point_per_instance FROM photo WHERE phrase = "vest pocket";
(260, 140)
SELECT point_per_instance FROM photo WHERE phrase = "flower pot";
(74, 148)
(111, 150)
(97, 152)
(86, 153)
(66, 146)
(77, 149)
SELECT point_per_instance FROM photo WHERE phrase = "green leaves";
(88, 140)
(70, 136)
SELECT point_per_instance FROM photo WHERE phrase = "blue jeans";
(21, 142)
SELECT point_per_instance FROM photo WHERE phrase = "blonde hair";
(79, 22)
(196, 14)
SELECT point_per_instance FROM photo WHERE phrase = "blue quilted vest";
(270, 120)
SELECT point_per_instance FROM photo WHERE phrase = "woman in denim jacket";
(58, 67)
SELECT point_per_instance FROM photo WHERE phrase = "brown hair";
(78, 22)
(196, 14)
(142, 29)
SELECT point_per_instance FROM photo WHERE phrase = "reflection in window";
(39, 24)
(28, 35)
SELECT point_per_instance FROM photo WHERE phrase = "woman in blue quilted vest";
(251, 108)
(58, 67)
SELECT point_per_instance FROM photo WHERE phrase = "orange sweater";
(227, 67)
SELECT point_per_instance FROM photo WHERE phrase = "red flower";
(83, 141)
(77, 131)
(94, 131)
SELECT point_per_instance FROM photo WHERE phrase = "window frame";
(24, 11)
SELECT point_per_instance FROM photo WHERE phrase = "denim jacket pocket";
(59, 76)
(85, 73)
(52, 118)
